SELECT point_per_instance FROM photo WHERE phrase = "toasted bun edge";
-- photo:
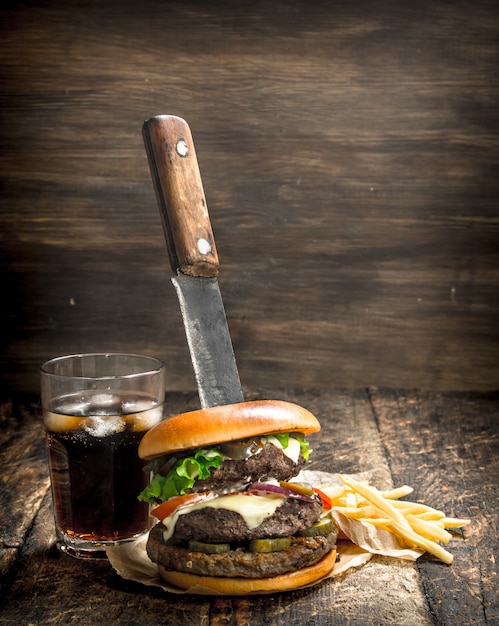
(209, 585)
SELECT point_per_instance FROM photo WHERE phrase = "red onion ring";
(281, 491)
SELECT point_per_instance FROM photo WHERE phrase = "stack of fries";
(416, 525)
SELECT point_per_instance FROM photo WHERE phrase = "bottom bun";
(207, 585)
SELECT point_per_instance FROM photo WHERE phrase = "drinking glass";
(96, 409)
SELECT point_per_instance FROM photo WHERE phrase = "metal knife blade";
(193, 257)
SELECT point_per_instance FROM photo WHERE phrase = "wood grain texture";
(23, 463)
(447, 447)
(348, 154)
(442, 444)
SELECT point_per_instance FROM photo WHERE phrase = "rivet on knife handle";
(180, 195)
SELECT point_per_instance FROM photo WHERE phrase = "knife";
(193, 257)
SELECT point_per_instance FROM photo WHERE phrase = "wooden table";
(445, 445)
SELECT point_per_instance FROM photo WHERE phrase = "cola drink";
(96, 472)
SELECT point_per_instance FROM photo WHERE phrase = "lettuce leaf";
(304, 447)
(182, 476)
(283, 439)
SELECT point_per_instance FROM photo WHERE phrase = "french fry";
(357, 512)
(453, 522)
(351, 500)
(399, 492)
(417, 525)
(430, 515)
(428, 530)
(373, 496)
(428, 545)
(381, 522)
(415, 508)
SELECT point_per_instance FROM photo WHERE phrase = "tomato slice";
(167, 507)
(326, 500)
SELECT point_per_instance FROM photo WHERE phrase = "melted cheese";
(293, 449)
(254, 509)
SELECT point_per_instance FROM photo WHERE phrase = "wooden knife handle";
(179, 192)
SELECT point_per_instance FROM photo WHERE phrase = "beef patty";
(303, 551)
(269, 462)
(222, 526)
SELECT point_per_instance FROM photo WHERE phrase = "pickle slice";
(321, 528)
(208, 548)
(297, 488)
(270, 545)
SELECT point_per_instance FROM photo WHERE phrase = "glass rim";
(160, 365)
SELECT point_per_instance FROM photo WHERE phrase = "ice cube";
(105, 425)
(146, 420)
(58, 423)
(104, 404)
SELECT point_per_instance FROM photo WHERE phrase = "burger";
(231, 519)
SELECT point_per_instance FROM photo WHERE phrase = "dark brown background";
(349, 153)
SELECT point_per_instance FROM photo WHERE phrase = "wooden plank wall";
(349, 154)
